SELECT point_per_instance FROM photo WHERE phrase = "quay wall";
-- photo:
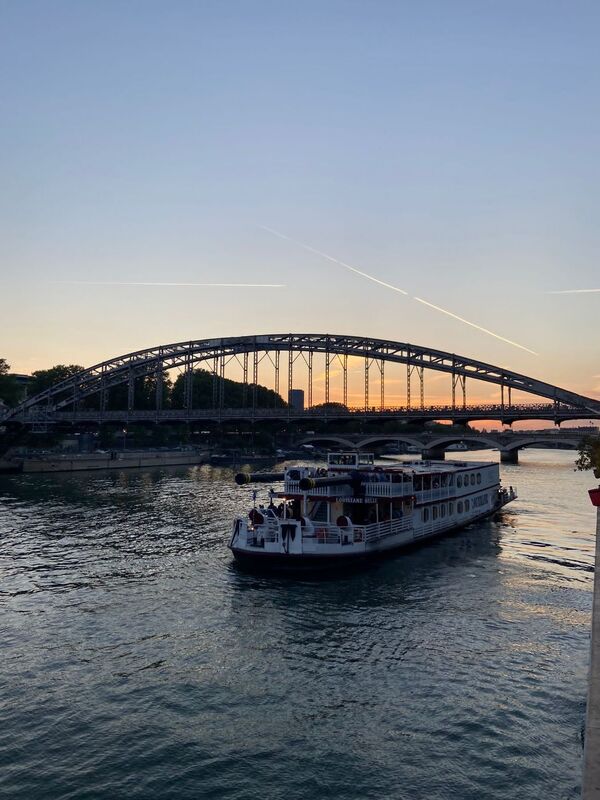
(122, 461)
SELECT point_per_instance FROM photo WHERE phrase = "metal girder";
(126, 368)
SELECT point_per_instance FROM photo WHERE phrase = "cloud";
(156, 283)
(575, 291)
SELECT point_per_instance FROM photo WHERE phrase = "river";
(138, 662)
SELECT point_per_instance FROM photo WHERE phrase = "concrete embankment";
(96, 461)
(591, 756)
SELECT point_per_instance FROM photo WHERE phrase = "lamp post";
(124, 432)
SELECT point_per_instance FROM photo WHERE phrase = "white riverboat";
(352, 509)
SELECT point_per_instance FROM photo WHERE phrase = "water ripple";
(139, 662)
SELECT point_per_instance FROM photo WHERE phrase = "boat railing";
(267, 531)
(381, 530)
(371, 489)
(442, 493)
(388, 489)
(293, 487)
(323, 533)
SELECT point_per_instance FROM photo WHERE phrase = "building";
(296, 399)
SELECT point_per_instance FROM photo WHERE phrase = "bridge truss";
(65, 400)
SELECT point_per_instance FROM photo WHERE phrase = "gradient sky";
(450, 149)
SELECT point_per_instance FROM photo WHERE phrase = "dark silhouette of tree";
(207, 387)
(43, 379)
(10, 391)
(144, 394)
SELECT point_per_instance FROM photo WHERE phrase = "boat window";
(443, 510)
(418, 484)
(479, 477)
(467, 505)
(459, 481)
(460, 507)
(425, 514)
(450, 508)
(450, 480)
(435, 512)
(472, 479)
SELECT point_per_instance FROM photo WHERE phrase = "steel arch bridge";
(66, 401)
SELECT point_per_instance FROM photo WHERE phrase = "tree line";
(206, 389)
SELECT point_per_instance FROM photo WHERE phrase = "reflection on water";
(139, 662)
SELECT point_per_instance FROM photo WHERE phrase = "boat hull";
(261, 561)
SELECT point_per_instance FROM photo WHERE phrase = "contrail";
(575, 291)
(335, 260)
(154, 283)
(396, 289)
(473, 325)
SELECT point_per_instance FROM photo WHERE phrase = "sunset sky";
(449, 150)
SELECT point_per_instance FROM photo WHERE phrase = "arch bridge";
(434, 446)
(86, 396)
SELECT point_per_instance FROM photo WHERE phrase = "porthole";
(472, 479)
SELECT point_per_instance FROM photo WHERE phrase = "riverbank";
(54, 462)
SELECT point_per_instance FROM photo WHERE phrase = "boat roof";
(343, 462)
(425, 467)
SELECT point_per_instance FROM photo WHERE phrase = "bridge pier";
(509, 456)
(433, 454)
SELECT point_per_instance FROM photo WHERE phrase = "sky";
(449, 150)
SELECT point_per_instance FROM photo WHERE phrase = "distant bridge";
(435, 445)
(86, 396)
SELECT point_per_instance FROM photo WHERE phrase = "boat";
(353, 510)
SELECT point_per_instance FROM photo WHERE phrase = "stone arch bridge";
(434, 446)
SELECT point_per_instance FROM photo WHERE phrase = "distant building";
(23, 382)
(296, 399)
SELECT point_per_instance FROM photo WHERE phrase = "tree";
(43, 379)
(144, 393)
(331, 407)
(589, 455)
(10, 391)
(207, 388)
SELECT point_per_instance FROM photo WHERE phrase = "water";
(138, 662)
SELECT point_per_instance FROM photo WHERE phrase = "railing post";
(130, 390)
(310, 378)
(222, 382)
(215, 373)
(159, 388)
(245, 379)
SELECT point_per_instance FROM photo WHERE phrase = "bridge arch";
(185, 356)
(442, 442)
(388, 438)
(546, 443)
(348, 444)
